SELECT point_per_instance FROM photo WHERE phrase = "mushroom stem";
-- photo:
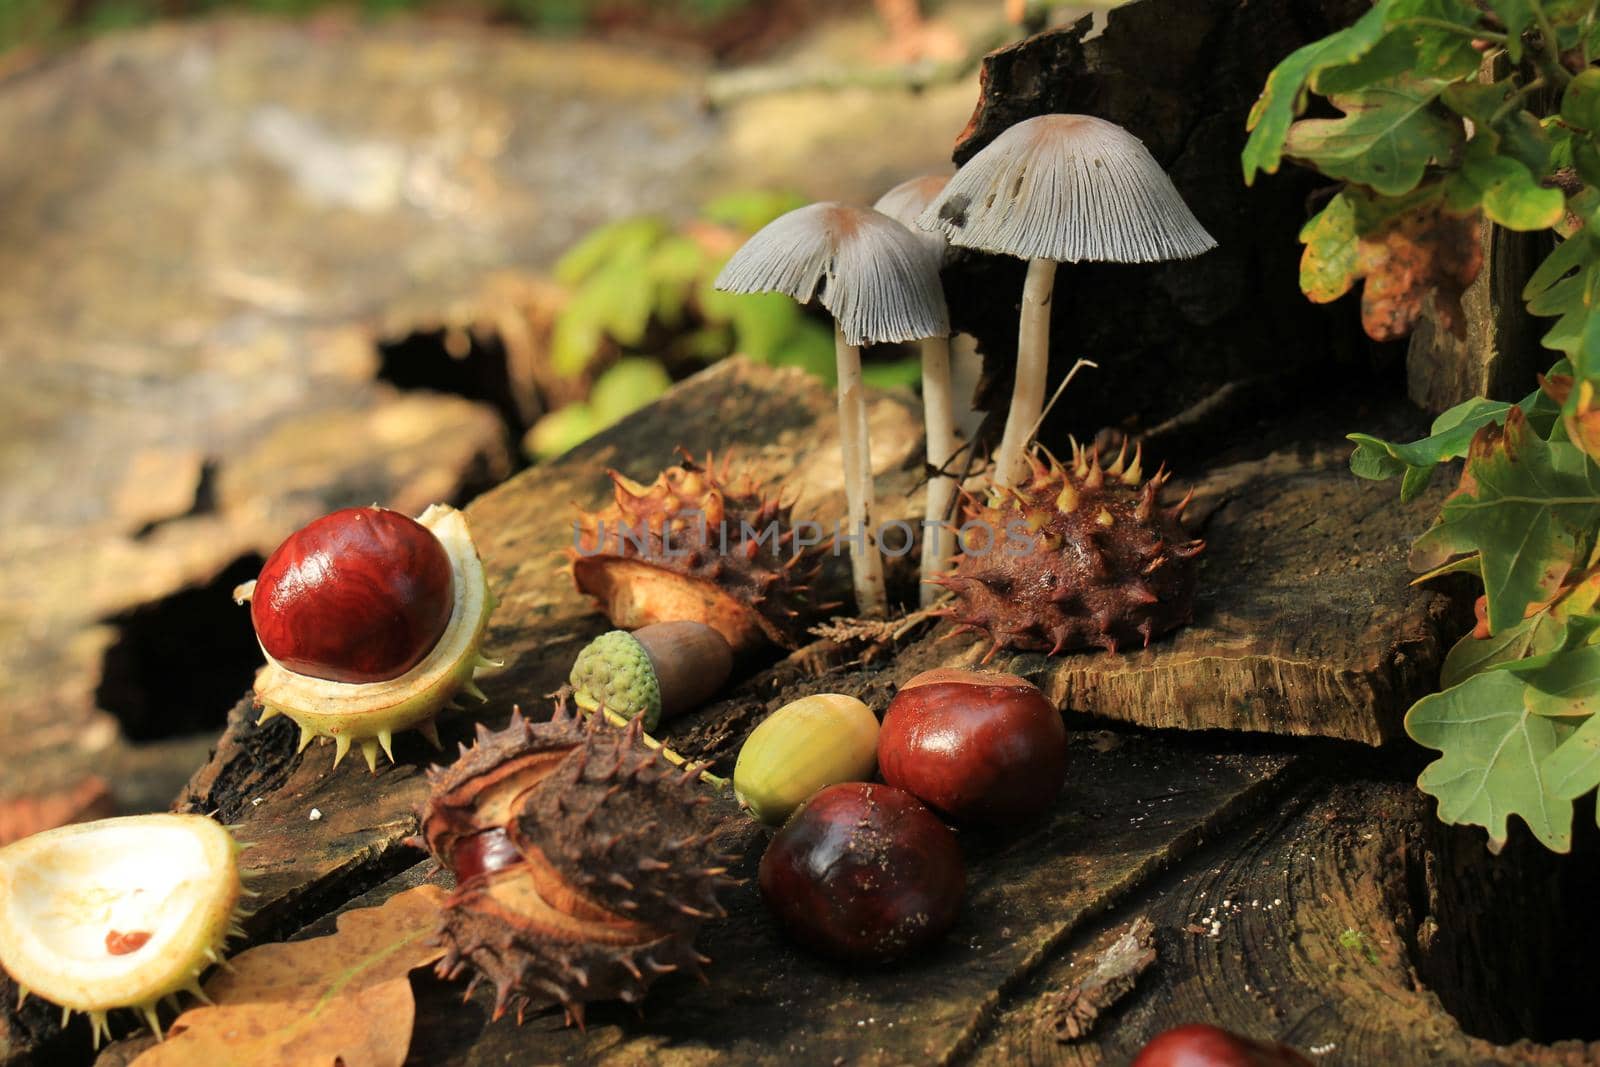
(866, 566)
(1033, 367)
(939, 420)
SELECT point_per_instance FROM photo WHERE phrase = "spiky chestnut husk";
(687, 556)
(1109, 567)
(119, 913)
(582, 873)
(369, 714)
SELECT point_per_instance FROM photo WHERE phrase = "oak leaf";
(1408, 251)
(342, 999)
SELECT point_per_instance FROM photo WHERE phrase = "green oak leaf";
(1580, 103)
(1518, 17)
(1449, 438)
(1565, 686)
(1328, 267)
(1284, 95)
(1471, 655)
(1388, 136)
(1491, 764)
(1573, 769)
(627, 239)
(1439, 53)
(1524, 506)
(1507, 191)
(1515, 132)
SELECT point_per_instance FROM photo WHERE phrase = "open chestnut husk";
(582, 872)
(694, 545)
(371, 623)
(864, 873)
(977, 745)
(1200, 1045)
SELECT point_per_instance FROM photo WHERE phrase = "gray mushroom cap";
(910, 199)
(878, 279)
(1067, 188)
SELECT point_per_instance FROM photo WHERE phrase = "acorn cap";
(910, 199)
(614, 671)
(1067, 188)
(655, 672)
(880, 282)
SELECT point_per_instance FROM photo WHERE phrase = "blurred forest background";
(268, 258)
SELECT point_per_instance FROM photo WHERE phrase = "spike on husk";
(697, 545)
(1108, 567)
(582, 872)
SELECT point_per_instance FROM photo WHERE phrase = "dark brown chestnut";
(361, 595)
(1199, 1045)
(976, 745)
(864, 873)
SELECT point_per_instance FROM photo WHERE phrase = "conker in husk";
(864, 872)
(1199, 1045)
(976, 745)
(361, 595)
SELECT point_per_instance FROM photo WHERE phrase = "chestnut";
(976, 745)
(361, 595)
(863, 872)
(1200, 1045)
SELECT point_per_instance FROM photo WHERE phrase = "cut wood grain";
(1305, 622)
(1323, 926)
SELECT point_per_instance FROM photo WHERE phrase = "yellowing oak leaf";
(1407, 251)
(343, 999)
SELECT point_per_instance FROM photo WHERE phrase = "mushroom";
(881, 283)
(904, 203)
(1060, 189)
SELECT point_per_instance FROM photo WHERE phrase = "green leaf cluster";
(641, 287)
(1425, 134)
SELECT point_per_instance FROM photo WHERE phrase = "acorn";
(654, 673)
(119, 913)
(694, 546)
(807, 744)
(582, 871)
(371, 623)
(1083, 556)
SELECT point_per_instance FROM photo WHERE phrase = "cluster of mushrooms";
(582, 871)
(1050, 189)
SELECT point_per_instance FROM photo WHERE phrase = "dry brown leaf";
(342, 999)
(1426, 253)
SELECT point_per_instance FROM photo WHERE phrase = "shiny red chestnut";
(976, 745)
(361, 595)
(864, 873)
(1199, 1045)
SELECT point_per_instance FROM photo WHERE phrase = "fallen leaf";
(87, 799)
(344, 999)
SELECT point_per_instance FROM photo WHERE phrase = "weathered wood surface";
(1134, 806)
(1329, 924)
(215, 224)
(1305, 621)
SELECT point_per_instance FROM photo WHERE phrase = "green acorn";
(655, 672)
